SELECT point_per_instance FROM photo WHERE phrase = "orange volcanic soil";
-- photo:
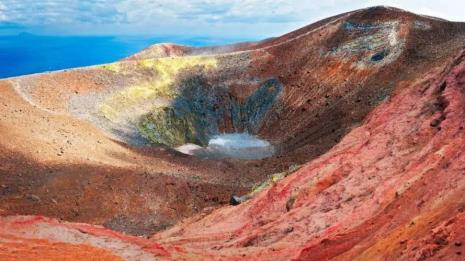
(370, 103)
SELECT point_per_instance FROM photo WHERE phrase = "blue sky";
(209, 18)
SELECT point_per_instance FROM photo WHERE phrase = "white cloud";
(34, 12)
(3, 16)
(226, 17)
(226, 11)
(258, 18)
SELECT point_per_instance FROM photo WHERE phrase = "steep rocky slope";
(371, 102)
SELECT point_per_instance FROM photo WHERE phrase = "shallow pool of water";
(231, 145)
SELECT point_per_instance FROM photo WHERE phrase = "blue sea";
(26, 53)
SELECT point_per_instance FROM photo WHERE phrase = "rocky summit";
(361, 114)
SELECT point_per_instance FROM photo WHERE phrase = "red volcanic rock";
(392, 181)
(40, 238)
(160, 50)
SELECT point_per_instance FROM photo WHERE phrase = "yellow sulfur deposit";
(166, 68)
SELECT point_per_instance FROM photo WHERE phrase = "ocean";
(26, 53)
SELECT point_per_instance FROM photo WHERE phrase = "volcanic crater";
(341, 140)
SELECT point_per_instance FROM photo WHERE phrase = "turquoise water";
(26, 53)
